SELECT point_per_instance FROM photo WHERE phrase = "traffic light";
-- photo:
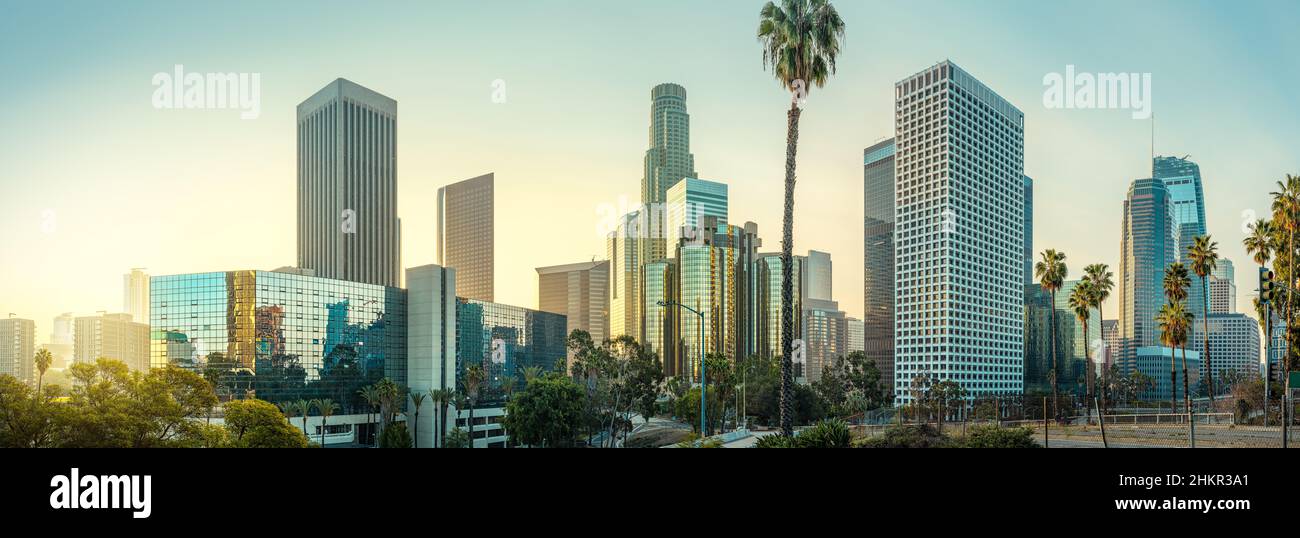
(1265, 285)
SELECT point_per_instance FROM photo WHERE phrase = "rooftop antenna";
(1153, 144)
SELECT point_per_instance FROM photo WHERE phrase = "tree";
(304, 410)
(417, 399)
(548, 412)
(43, 360)
(945, 395)
(472, 382)
(1173, 320)
(457, 438)
(1286, 218)
(1081, 300)
(111, 406)
(801, 41)
(1051, 273)
(1204, 256)
(27, 419)
(253, 423)
(1098, 276)
(395, 436)
(441, 397)
(326, 407)
(1176, 283)
(371, 396)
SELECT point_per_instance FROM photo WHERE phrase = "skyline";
(125, 154)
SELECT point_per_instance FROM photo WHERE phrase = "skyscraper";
(347, 185)
(1071, 358)
(18, 348)
(659, 280)
(1223, 288)
(623, 248)
(579, 291)
(878, 258)
(713, 280)
(667, 161)
(1183, 179)
(817, 276)
(960, 234)
(1148, 243)
(1234, 346)
(766, 317)
(825, 333)
(1029, 230)
(688, 202)
(465, 235)
(135, 295)
(855, 339)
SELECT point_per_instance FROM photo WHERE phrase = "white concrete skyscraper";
(347, 185)
(960, 234)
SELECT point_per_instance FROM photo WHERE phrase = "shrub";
(990, 436)
(829, 433)
(395, 436)
(908, 436)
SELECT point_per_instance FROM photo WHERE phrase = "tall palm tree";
(1203, 253)
(441, 397)
(1081, 301)
(801, 41)
(1051, 272)
(1286, 217)
(371, 395)
(1176, 283)
(1170, 320)
(1260, 245)
(43, 360)
(326, 407)
(417, 399)
(304, 410)
(1098, 276)
(474, 378)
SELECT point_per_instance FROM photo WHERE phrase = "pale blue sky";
(200, 190)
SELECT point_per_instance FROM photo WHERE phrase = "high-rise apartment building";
(113, 336)
(1223, 288)
(855, 338)
(1148, 244)
(579, 291)
(347, 185)
(18, 348)
(1234, 346)
(61, 344)
(135, 295)
(817, 276)
(465, 235)
(878, 258)
(959, 242)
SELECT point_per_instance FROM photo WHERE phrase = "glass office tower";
(280, 336)
(505, 340)
(660, 286)
(1148, 244)
(689, 202)
(767, 303)
(959, 234)
(713, 279)
(1071, 341)
(878, 258)
(667, 161)
(1182, 178)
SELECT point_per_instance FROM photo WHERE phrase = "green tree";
(1176, 283)
(1099, 277)
(945, 395)
(1286, 220)
(801, 42)
(43, 360)
(1081, 300)
(443, 398)
(253, 423)
(1051, 273)
(417, 399)
(457, 438)
(111, 406)
(395, 436)
(473, 382)
(548, 412)
(1173, 321)
(1203, 254)
(370, 394)
(326, 407)
(28, 419)
(304, 410)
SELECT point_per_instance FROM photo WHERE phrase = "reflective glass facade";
(523, 338)
(1070, 340)
(878, 259)
(667, 161)
(767, 303)
(661, 321)
(1182, 178)
(713, 279)
(1149, 243)
(280, 336)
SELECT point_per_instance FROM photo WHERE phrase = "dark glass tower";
(878, 258)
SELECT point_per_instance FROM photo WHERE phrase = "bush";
(395, 436)
(908, 436)
(990, 436)
(829, 433)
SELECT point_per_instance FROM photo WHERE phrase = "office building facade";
(878, 258)
(347, 185)
(1074, 347)
(825, 336)
(18, 348)
(465, 234)
(112, 336)
(766, 317)
(959, 226)
(689, 202)
(624, 249)
(1148, 244)
(580, 291)
(667, 161)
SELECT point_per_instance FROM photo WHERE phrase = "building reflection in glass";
(506, 341)
(280, 336)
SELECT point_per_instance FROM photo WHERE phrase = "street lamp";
(703, 370)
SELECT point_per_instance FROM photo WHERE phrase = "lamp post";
(703, 370)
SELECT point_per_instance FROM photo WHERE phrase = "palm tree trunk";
(1205, 328)
(322, 430)
(1173, 379)
(1187, 395)
(471, 426)
(1105, 369)
(415, 430)
(1056, 372)
(787, 273)
(1087, 377)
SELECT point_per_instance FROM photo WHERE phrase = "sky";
(95, 180)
